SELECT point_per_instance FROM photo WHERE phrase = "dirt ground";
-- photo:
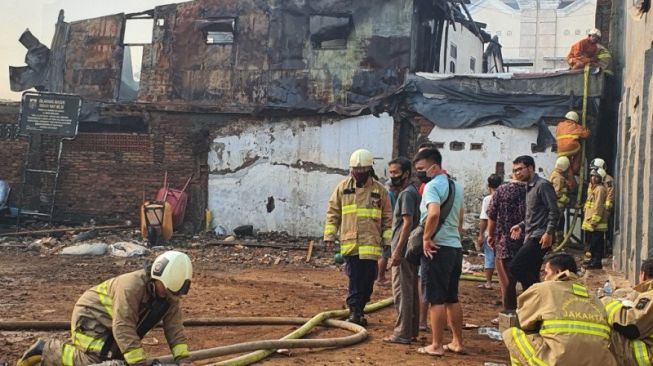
(42, 285)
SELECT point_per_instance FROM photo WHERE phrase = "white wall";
(294, 158)
(468, 45)
(500, 144)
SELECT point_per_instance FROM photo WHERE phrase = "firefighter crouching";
(561, 322)
(359, 208)
(110, 319)
(632, 321)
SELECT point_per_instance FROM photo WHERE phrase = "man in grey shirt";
(404, 274)
(539, 224)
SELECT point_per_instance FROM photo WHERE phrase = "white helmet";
(562, 163)
(598, 163)
(598, 172)
(361, 158)
(594, 32)
(174, 270)
(572, 116)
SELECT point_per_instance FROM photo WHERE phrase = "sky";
(40, 16)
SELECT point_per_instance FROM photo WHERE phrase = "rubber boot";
(32, 356)
(356, 316)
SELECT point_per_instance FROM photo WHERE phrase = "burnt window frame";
(317, 44)
(218, 25)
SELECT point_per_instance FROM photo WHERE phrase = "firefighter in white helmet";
(359, 210)
(608, 182)
(595, 222)
(585, 51)
(568, 135)
(110, 319)
(559, 182)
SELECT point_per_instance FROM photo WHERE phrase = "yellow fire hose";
(570, 230)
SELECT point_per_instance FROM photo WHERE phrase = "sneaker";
(32, 356)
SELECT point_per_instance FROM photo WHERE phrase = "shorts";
(489, 255)
(386, 251)
(441, 275)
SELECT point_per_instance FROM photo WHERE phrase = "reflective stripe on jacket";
(114, 307)
(568, 133)
(596, 216)
(362, 216)
(558, 318)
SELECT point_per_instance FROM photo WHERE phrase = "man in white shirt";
(493, 182)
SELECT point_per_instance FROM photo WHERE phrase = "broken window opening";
(218, 31)
(138, 31)
(330, 32)
(439, 145)
(476, 146)
(456, 146)
(111, 124)
(472, 64)
(130, 78)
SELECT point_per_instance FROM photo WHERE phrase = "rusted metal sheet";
(94, 57)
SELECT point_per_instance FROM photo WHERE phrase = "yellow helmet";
(572, 116)
(562, 163)
(361, 158)
(174, 270)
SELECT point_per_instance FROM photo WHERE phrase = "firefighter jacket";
(632, 322)
(568, 133)
(114, 307)
(559, 182)
(604, 59)
(596, 216)
(561, 324)
(363, 217)
(582, 53)
(608, 182)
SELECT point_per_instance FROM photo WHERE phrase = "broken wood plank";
(310, 251)
(70, 229)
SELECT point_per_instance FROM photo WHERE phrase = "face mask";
(422, 177)
(360, 177)
(396, 181)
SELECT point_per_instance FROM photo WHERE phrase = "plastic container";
(607, 288)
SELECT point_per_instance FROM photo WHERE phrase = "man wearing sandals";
(442, 259)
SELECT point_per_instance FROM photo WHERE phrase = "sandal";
(424, 351)
(448, 348)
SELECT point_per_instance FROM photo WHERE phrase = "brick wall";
(104, 175)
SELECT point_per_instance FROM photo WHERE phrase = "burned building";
(261, 101)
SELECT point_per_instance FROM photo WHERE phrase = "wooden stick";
(70, 229)
(310, 251)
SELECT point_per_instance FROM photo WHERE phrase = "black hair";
(430, 154)
(427, 145)
(404, 164)
(494, 181)
(647, 268)
(527, 160)
(562, 261)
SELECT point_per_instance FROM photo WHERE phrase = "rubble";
(86, 249)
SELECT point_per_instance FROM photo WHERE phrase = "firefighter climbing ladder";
(46, 116)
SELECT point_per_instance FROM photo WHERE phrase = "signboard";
(49, 114)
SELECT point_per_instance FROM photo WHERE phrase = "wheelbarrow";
(177, 198)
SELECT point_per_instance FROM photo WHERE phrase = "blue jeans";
(489, 255)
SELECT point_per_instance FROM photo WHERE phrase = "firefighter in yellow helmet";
(631, 319)
(110, 319)
(595, 219)
(561, 322)
(559, 182)
(359, 209)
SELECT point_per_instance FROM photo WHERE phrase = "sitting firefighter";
(559, 182)
(568, 135)
(632, 321)
(561, 322)
(585, 51)
(110, 319)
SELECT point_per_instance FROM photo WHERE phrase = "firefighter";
(110, 319)
(595, 219)
(561, 322)
(632, 321)
(568, 134)
(608, 182)
(559, 182)
(585, 51)
(359, 209)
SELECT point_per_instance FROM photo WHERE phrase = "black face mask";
(396, 181)
(423, 177)
(360, 177)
